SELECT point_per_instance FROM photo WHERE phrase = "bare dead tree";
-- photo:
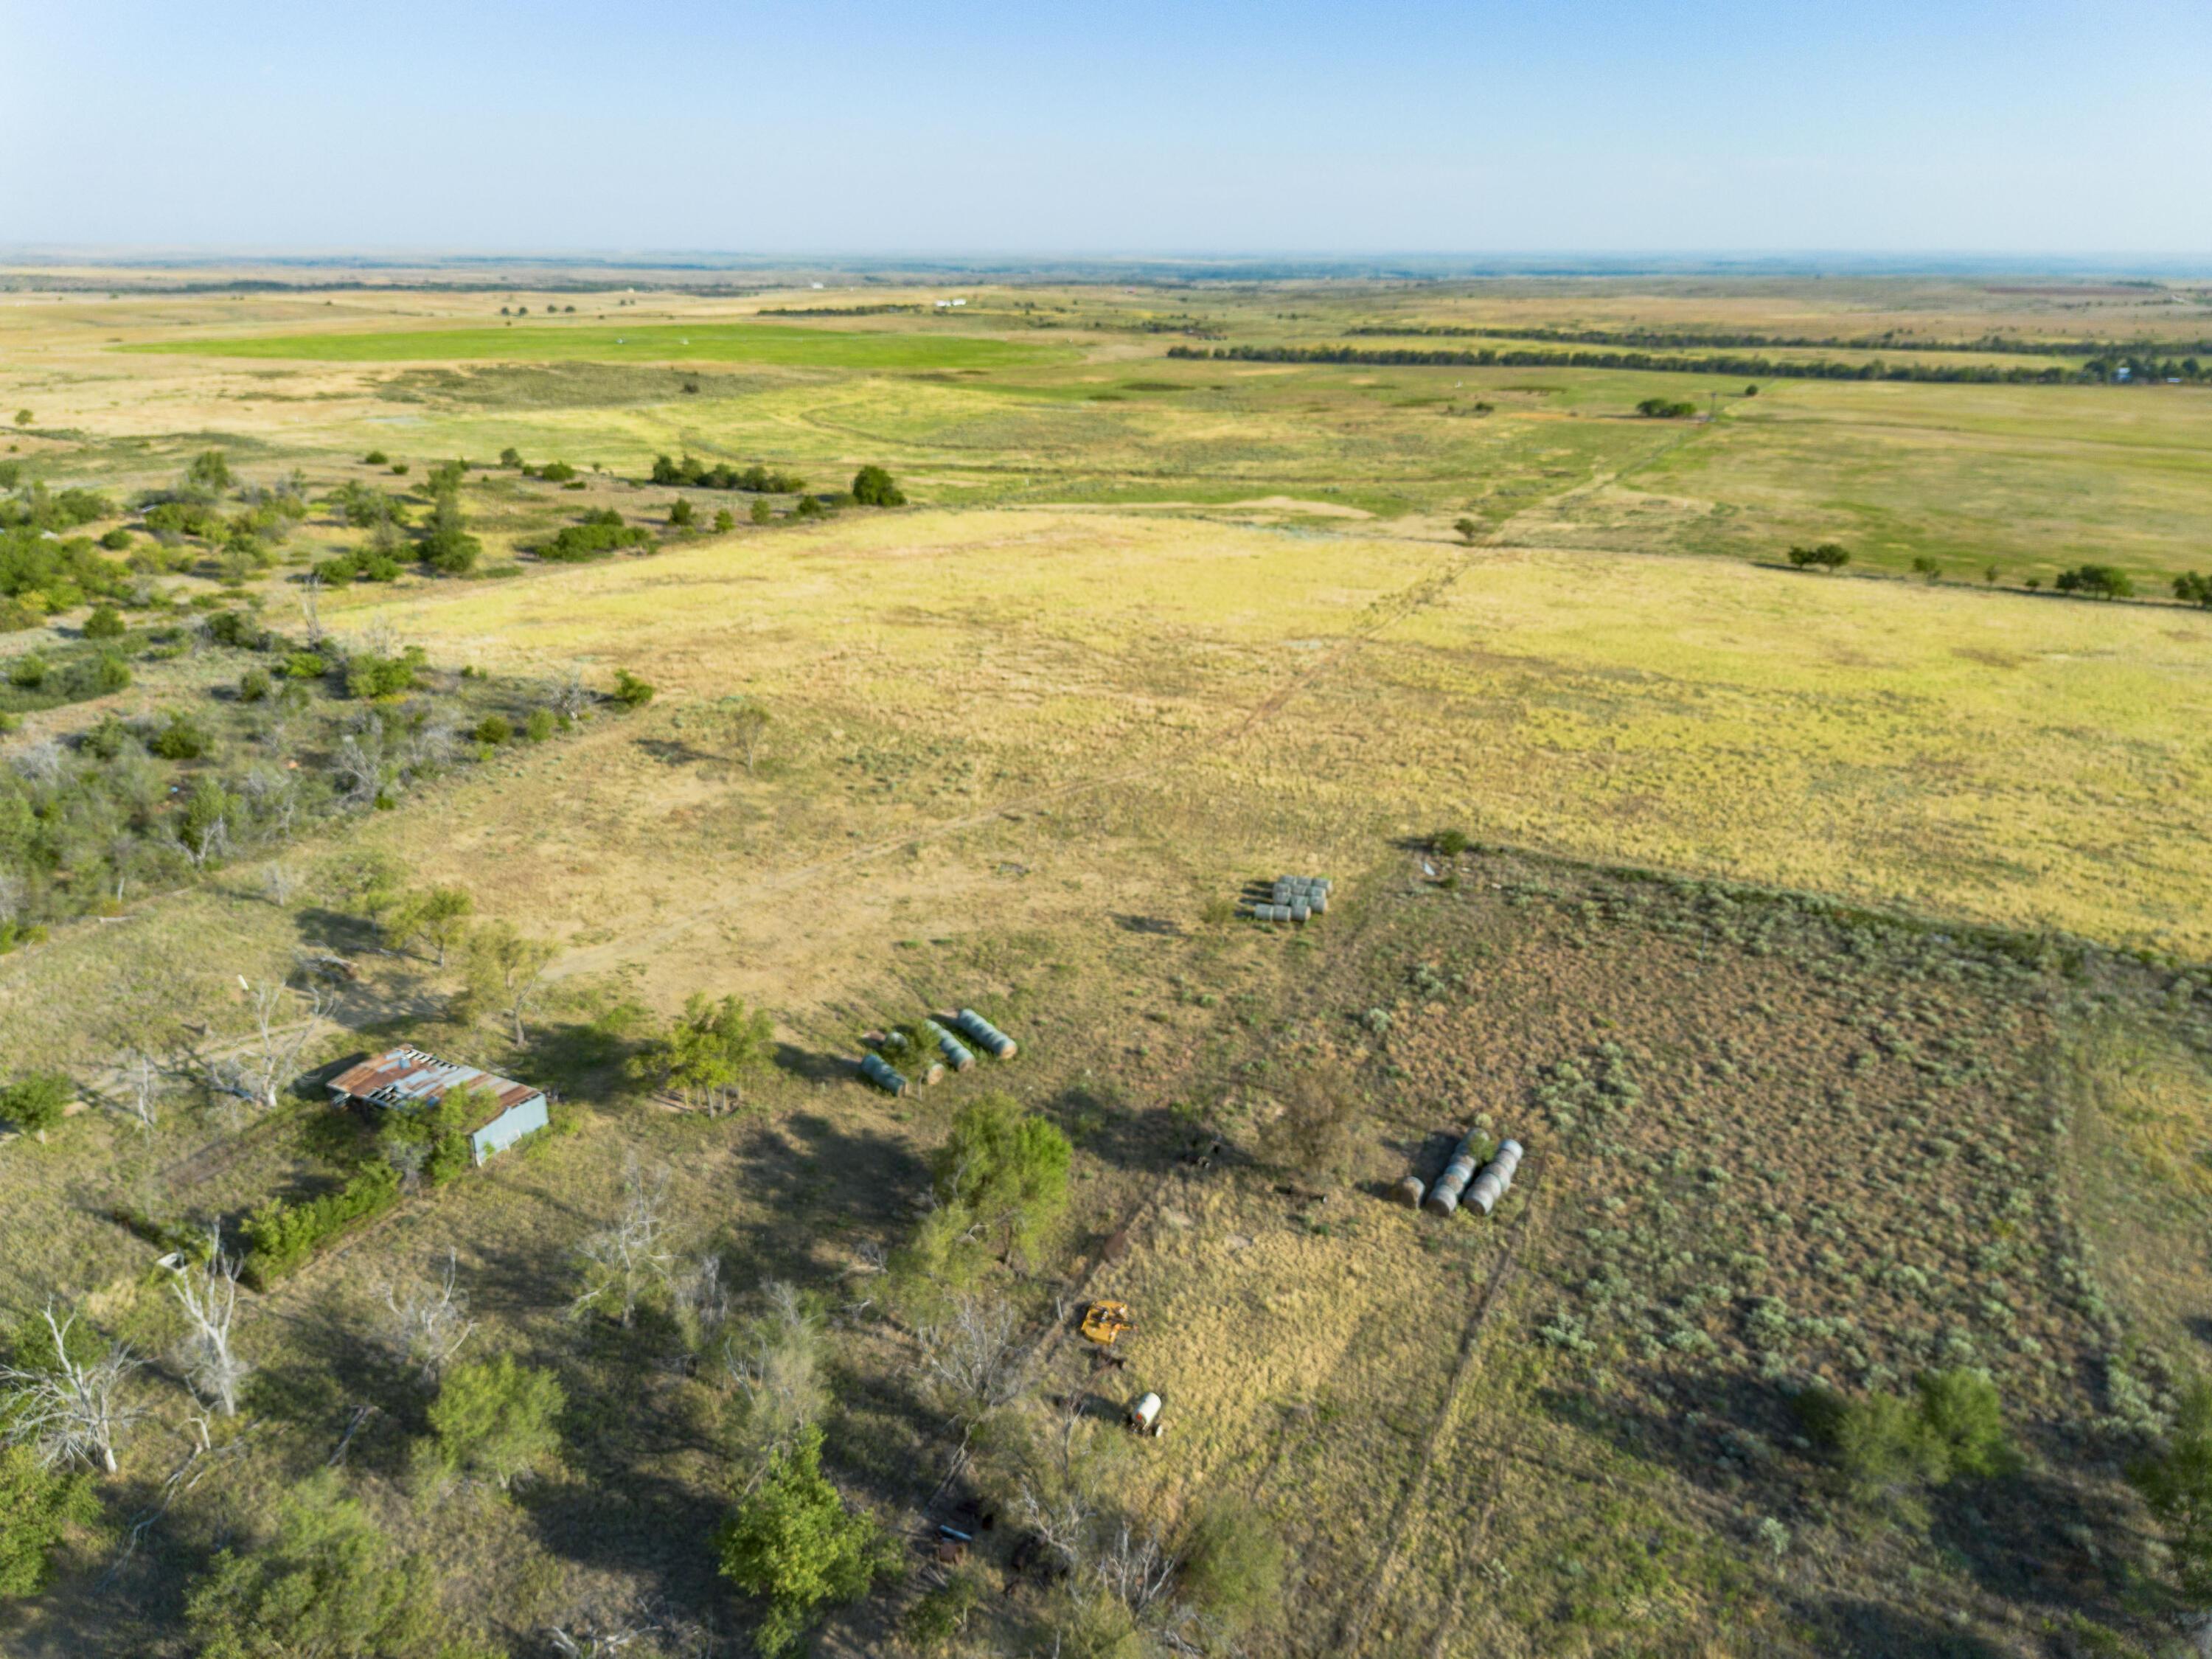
(774, 1367)
(310, 595)
(622, 1263)
(42, 762)
(359, 773)
(69, 1410)
(279, 881)
(140, 1089)
(700, 1299)
(272, 1058)
(429, 1320)
(208, 1296)
(571, 696)
(973, 1357)
(13, 895)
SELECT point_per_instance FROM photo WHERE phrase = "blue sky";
(839, 127)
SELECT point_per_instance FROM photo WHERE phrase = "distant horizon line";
(1404, 265)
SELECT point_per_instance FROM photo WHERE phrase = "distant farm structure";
(408, 1080)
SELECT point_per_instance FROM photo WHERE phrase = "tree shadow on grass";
(1854, 1627)
(2020, 1536)
(331, 1369)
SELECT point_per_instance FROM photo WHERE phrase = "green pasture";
(706, 343)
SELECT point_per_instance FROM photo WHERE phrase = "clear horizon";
(1945, 132)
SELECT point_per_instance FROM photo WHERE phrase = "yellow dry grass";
(2023, 762)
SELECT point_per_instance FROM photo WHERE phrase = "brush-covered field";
(1834, 944)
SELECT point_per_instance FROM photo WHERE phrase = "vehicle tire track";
(1351, 1628)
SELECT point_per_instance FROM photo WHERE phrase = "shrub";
(253, 685)
(557, 472)
(107, 739)
(327, 1582)
(375, 678)
(375, 458)
(631, 691)
(105, 623)
(761, 512)
(115, 540)
(600, 534)
(1450, 843)
(1666, 409)
(280, 1235)
(724, 520)
(540, 724)
(182, 738)
(2175, 1484)
(305, 666)
(1887, 1447)
(872, 487)
(2194, 589)
(38, 1508)
(208, 471)
(100, 674)
(681, 515)
(808, 507)
(27, 674)
(494, 728)
(37, 1102)
(496, 1417)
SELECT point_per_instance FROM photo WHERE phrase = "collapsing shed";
(408, 1080)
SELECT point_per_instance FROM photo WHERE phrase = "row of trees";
(2108, 351)
(1756, 368)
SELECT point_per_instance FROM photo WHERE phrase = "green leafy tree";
(792, 1542)
(761, 513)
(446, 544)
(2175, 1484)
(497, 1419)
(2097, 581)
(1889, 1447)
(1826, 556)
(2194, 588)
(105, 623)
(432, 1140)
(1923, 565)
(724, 520)
(708, 1052)
(504, 971)
(873, 487)
(1468, 530)
(1004, 1170)
(436, 916)
(681, 513)
(209, 471)
(327, 1584)
(37, 1102)
(38, 1509)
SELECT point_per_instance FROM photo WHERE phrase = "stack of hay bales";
(1295, 898)
(1486, 1189)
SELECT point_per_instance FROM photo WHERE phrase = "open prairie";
(1833, 942)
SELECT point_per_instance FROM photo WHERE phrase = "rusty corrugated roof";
(406, 1075)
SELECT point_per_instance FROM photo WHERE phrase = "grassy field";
(706, 343)
(1834, 943)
